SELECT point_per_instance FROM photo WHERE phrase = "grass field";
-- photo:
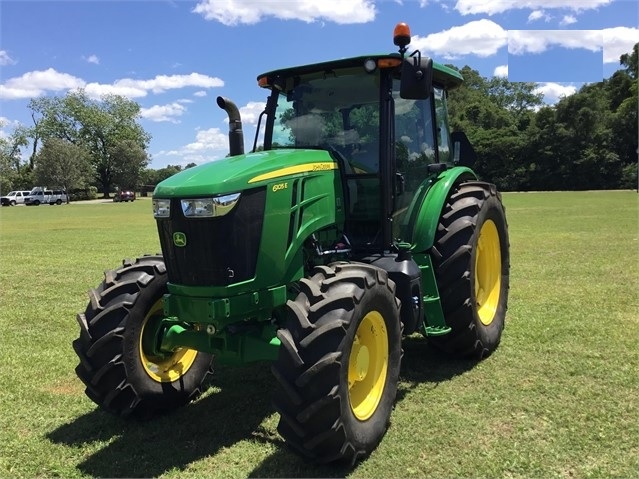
(559, 398)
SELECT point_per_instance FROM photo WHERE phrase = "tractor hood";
(238, 173)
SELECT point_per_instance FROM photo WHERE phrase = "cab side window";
(443, 135)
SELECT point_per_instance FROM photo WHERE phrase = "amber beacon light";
(401, 36)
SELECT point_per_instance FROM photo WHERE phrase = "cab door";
(422, 150)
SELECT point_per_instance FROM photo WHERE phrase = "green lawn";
(559, 398)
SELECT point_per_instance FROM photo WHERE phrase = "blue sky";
(174, 57)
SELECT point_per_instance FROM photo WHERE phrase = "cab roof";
(442, 75)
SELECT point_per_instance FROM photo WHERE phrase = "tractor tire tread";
(100, 346)
(452, 253)
(307, 395)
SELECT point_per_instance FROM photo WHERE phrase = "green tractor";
(357, 221)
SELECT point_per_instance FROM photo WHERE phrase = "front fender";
(432, 205)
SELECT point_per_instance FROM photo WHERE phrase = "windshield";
(334, 110)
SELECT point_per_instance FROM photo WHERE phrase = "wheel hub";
(368, 365)
(162, 367)
(361, 360)
(487, 272)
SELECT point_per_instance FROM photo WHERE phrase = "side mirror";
(463, 152)
(417, 77)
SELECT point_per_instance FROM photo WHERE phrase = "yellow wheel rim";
(367, 365)
(169, 368)
(487, 272)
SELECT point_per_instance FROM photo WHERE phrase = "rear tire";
(338, 365)
(118, 373)
(472, 262)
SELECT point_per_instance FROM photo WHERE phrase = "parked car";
(124, 195)
(14, 198)
(40, 195)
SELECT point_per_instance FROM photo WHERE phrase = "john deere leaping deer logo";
(179, 239)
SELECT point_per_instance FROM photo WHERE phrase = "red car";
(124, 195)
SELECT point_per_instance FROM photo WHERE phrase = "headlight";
(209, 207)
(198, 208)
(161, 208)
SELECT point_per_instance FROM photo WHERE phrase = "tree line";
(77, 142)
(587, 140)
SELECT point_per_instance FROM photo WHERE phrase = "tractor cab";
(383, 119)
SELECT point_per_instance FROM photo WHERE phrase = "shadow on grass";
(285, 463)
(221, 419)
(423, 364)
(151, 448)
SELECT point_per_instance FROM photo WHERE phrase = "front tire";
(338, 364)
(472, 262)
(118, 372)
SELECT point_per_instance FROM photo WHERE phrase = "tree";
(631, 62)
(625, 119)
(128, 161)
(34, 133)
(60, 163)
(587, 140)
(13, 173)
(104, 128)
(495, 114)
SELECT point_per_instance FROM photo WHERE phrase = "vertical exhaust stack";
(236, 136)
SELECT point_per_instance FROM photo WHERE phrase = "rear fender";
(431, 208)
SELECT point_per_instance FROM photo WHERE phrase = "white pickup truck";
(40, 195)
(14, 198)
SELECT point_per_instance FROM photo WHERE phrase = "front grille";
(219, 251)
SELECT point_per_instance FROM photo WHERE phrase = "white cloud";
(617, 41)
(501, 71)
(492, 7)
(211, 144)
(555, 91)
(140, 88)
(162, 83)
(93, 59)
(5, 59)
(36, 83)
(5, 123)
(251, 111)
(234, 12)
(481, 37)
(159, 84)
(568, 20)
(206, 140)
(538, 41)
(538, 15)
(613, 41)
(159, 113)
(200, 93)
(535, 15)
(124, 88)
